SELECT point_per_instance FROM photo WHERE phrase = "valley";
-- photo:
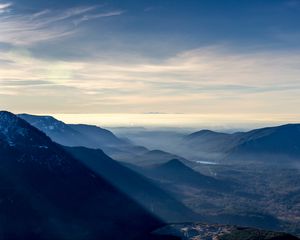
(149, 120)
(260, 194)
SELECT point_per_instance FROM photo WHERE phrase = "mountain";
(81, 135)
(206, 145)
(156, 157)
(209, 140)
(71, 134)
(175, 172)
(75, 135)
(48, 194)
(101, 138)
(97, 134)
(141, 189)
(271, 145)
(52, 192)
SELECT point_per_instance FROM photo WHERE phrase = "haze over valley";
(149, 120)
(244, 178)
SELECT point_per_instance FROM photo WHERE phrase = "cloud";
(99, 15)
(204, 80)
(5, 7)
(45, 25)
(18, 83)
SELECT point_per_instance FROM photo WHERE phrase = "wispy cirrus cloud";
(29, 28)
(88, 17)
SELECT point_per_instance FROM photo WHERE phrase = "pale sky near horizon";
(185, 122)
(237, 60)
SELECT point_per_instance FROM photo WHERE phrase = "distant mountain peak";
(156, 151)
(45, 123)
(72, 134)
(38, 117)
(7, 118)
(91, 126)
(40, 180)
(11, 127)
(174, 163)
(6, 113)
(205, 132)
(177, 172)
(277, 144)
(27, 144)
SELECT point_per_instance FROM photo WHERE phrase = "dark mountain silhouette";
(157, 157)
(271, 145)
(209, 140)
(47, 194)
(52, 192)
(140, 188)
(177, 173)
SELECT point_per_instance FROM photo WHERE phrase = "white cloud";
(45, 25)
(5, 8)
(99, 15)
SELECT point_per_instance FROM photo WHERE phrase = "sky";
(235, 59)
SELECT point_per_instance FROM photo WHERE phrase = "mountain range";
(47, 194)
(97, 138)
(276, 145)
(50, 191)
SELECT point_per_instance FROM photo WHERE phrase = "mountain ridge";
(47, 194)
(91, 136)
(274, 144)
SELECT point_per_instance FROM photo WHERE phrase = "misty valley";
(149, 120)
(76, 181)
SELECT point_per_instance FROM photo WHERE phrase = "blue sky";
(195, 56)
(166, 27)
